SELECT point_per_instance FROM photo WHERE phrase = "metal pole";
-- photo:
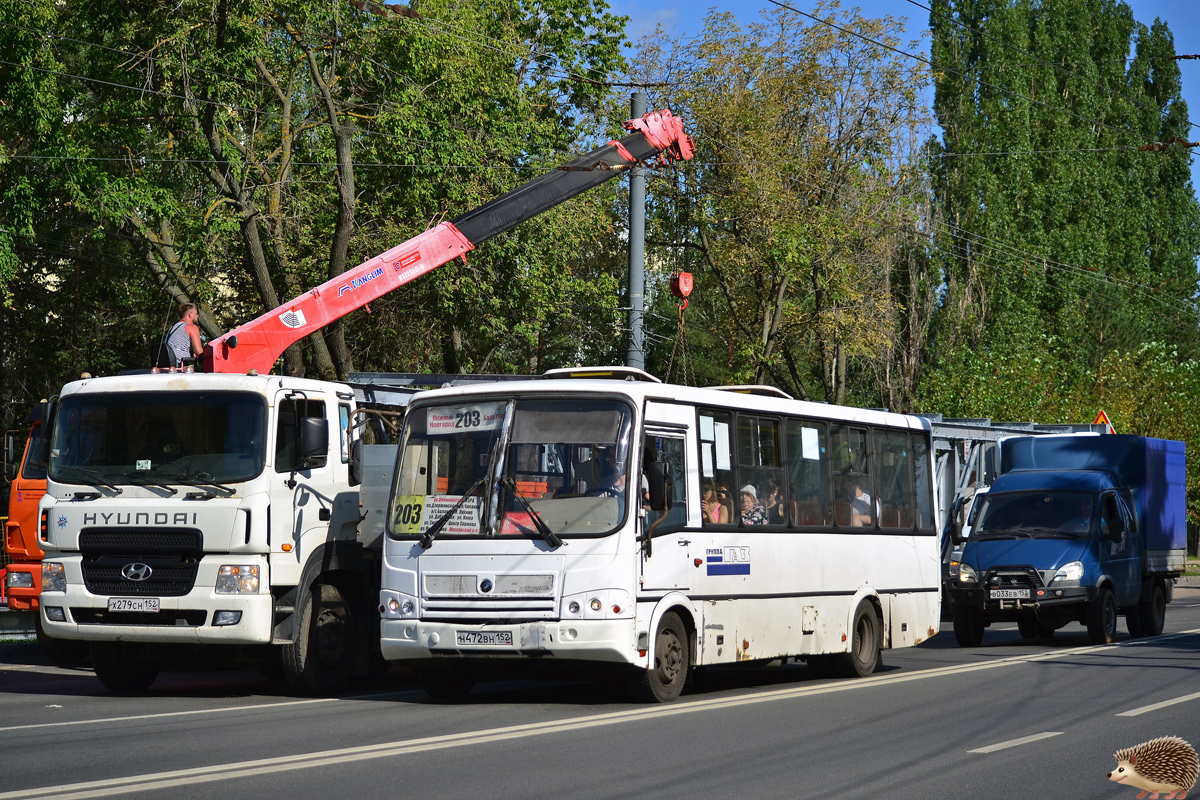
(635, 356)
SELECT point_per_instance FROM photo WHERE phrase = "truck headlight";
(237, 579)
(54, 577)
(20, 580)
(966, 574)
(1068, 574)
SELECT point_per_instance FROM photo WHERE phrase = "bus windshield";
(544, 467)
(158, 438)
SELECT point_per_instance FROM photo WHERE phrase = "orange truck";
(23, 578)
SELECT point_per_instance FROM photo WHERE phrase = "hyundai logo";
(136, 572)
(485, 586)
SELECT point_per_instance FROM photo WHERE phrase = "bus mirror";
(356, 462)
(658, 475)
(314, 440)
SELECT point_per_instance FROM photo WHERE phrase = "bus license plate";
(133, 604)
(1010, 594)
(484, 638)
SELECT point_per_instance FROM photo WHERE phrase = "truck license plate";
(1010, 594)
(133, 604)
(484, 638)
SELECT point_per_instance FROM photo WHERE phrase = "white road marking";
(219, 772)
(1037, 737)
(1134, 712)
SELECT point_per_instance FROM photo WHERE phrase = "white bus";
(759, 527)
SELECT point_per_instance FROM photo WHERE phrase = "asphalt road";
(1007, 720)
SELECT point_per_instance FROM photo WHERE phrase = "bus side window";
(893, 477)
(669, 449)
(759, 471)
(808, 472)
(922, 480)
(716, 466)
(855, 504)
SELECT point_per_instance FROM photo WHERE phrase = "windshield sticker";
(415, 513)
(728, 560)
(465, 418)
(142, 464)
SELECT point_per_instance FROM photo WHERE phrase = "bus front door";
(666, 562)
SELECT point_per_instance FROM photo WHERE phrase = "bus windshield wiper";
(144, 480)
(436, 528)
(90, 477)
(543, 529)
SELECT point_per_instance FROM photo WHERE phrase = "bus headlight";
(237, 579)
(54, 577)
(1068, 574)
(966, 574)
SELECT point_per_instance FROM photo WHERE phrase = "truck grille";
(172, 555)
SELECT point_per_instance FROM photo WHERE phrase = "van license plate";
(484, 638)
(1010, 594)
(133, 604)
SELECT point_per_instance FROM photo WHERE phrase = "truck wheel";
(1102, 618)
(318, 659)
(1033, 628)
(968, 626)
(447, 682)
(1151, 614)
(865, 643)
(60, 651)
(664, 680)
(124, 667)
(1133, 623)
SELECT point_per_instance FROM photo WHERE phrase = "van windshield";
(1018, 515)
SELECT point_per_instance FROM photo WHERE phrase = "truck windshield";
(147, 438)
(543, 467)
(1036, 514)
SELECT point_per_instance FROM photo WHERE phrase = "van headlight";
(54, 577)
(966, 574)
(1068, 574)
(237, 579)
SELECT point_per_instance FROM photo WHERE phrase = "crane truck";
(220, 507)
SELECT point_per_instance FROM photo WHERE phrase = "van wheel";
(124, 667)
(866, 641)
(1152, 613)
(318, 659)
(664, 680)
(968, 626)
(1032, 628)
(1102, 618)
(60, 651)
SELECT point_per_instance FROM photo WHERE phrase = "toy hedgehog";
(1165, 765)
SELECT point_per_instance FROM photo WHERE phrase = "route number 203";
(467, 419)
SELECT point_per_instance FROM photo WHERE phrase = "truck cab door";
(303, 489)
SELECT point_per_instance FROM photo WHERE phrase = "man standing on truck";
(184, 337)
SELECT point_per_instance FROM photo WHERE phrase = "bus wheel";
(1102, 618)
(968, 627)
(865, 644)
(60, 651)
(124, 667)
(447, 682)
(318, 659)
(1152, 614)
(664, 680)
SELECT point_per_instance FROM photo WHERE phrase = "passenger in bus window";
(860, 503)
(776, 513)
(715, 512)
(752, 512)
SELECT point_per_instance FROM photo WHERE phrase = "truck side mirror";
(356, 462)
(954, 521)
(10, 456)
(658, 475)
(314, 441)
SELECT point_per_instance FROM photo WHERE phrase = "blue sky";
(684, 17)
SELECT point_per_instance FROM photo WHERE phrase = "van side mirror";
(356, 462)
(314, 441)
(658, 475)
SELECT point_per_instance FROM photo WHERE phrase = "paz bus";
(576, 518)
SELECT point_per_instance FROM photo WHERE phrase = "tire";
(1102, 618)
(1133, 624)
(866, 640)
(61, 651)
(1152, 613)
(1034, 628)
(318, 660)
(124, 667)
(664, 680)
(968, 626)
(449, 683)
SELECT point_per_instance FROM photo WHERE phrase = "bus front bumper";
(608, 641)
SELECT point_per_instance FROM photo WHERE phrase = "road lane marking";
(1037, 737)
(1134, 712)
(219, 772)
